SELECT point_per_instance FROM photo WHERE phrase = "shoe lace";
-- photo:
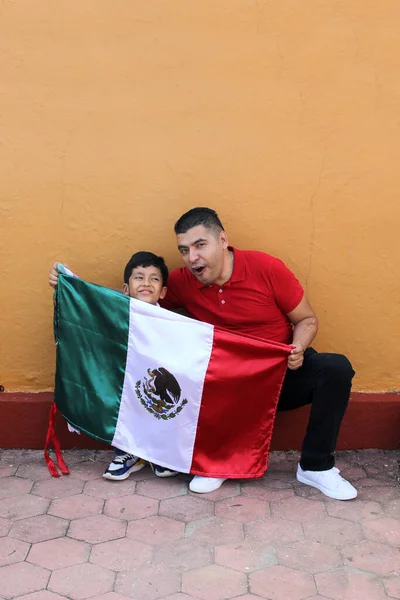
(121, 459)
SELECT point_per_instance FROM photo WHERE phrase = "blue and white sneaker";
(122, 466)
(162, 471)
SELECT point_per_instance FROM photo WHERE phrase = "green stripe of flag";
(92, 341)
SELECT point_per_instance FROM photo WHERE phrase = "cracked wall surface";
(282, 116)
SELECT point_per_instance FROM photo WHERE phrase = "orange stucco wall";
(284, 116)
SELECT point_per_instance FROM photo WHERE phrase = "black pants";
(324, 381)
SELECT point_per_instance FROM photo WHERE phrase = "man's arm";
(305, 329)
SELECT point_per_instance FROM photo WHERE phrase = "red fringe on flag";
(52, 436)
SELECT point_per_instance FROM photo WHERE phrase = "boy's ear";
(163, 293)
(125, 289)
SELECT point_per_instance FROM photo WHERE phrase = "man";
(254, 293)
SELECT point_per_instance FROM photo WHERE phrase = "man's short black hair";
(146, 259)
(198, 216)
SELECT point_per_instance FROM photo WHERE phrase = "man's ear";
(224, 239)
(125, 289)
(163, 293)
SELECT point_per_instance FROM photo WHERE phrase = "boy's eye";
(138, 276)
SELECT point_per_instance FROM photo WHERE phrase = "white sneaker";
(328, 482)
(204, 485)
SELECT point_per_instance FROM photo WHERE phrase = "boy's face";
(145, 283)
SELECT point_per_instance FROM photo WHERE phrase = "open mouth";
(199, 270)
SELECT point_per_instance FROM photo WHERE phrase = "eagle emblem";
(160, 394)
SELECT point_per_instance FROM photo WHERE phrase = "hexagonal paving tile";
(120, 555)
(214, 531)
(5, 526)
(281, 583)
(383, 529)
(275, 532)
(81, 581)
(392, 509)
(262, 492)
(39, 529)
(246, 556)
(14, 486)
(181, 596)
(229, 489)
(148, 583)
(7, 471)
(372, 557)
(22, 578)
(57, 487)
(336, 532)
(23, 506)
(379, 493)
(298, 509)
(59, 553)
(103, 488)
(73, 457)
(155, 530)
(42, 595)
(97, 529)
(214, 583)
(12, 551)
(242, 509)
(161, 488)
(182, 555)
(250, 597)
(343, 584)
(131, 507)
(21, 456)
(311, 557)
(88, 470)
(186, 508)
(76, 507)
(110, 596)
(392, 585)
(33, 472)
(355, 510)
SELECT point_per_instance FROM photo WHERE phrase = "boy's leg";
(122, 465)
(160, 471)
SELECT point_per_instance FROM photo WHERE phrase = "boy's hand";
(53, 275)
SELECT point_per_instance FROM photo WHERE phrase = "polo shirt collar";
(239, 270)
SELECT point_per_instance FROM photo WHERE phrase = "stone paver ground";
(81, 537)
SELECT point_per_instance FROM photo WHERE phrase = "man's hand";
(296, 357)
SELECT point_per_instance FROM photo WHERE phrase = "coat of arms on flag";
(160, 394)
(172, 390)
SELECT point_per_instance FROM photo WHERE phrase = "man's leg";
(324, 381)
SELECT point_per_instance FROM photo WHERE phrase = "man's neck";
(228, 268)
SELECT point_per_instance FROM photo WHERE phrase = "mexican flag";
(174, 391)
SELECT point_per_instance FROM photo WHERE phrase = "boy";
(145, 279)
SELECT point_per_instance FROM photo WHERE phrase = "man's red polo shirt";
(255, 300)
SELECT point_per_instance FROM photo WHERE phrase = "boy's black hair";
(146, 259)
(198, 216)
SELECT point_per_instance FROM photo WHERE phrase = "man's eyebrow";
(180, 246)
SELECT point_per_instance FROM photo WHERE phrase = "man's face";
(203, 252)
(145, 283)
